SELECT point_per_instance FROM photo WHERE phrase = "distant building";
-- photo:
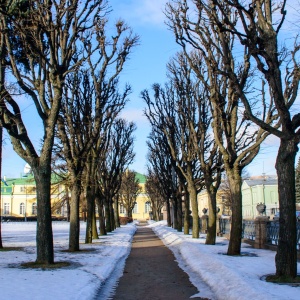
(142, 205)
(19, 200)
(223, 201)
(255, 190)
(260, 189)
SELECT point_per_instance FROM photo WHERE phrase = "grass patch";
(35, 265)
(283, 279)
(4, 249)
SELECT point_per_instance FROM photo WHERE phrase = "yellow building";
(18, 198)
(222, 201)
(142, 205)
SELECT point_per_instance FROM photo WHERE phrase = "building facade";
(19, 200)
(142, 206)
(255, 190)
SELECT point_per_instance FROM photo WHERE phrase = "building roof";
(140, 177)
(268, 181)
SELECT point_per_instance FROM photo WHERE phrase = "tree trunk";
(107, 216)
(179, 212)
(44, 235)
(194, 205)
(186, 212)
(74, 218)
(168, 213)
(90, 213)
(286, 257)
(212, 225)
(112, 215)
(68, 205)
(129, 211)
(116, 212)
(101, 218)
(175, 212)
(235, 183)
(157, 214)
(94, 225)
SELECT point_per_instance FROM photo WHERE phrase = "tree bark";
(194, 205)
(286, 257)
(179, 213)
(74, 218)
(175, 213)
(90, 214)
(235, 182)
(212, 225)
(44, 235)
(116, 212)
(186, 213)
(94, 225)
(107, 216)
(168, 213)
(101, 218)
(112, 215)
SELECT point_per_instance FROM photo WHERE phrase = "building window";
(147, 207)
(135, 208)
(122, 209)
(6, 209)
(22, 209)
(34, 210)
(22, 189)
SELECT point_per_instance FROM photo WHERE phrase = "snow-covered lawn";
(96, 270)
(89, 269)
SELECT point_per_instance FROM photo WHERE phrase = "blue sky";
(146, 66)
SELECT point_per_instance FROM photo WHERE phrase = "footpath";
(151, 272)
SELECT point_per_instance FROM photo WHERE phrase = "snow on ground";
(94, 272)
(229, 277)
(89, 270)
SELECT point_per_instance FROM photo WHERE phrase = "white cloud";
(146, 12)
(135, 115)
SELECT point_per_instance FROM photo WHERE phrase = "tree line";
(61, 56)
(234, 83)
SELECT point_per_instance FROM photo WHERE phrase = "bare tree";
(162, 166)
(129, 191)
(163, 115)
(49, 35)
(258, 34)
(115, 157)
(194, 107)
(91, 102)
(153, 190)
(195, 26)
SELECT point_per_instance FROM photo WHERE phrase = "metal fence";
(249, 231)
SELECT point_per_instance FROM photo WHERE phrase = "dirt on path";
(151, 272)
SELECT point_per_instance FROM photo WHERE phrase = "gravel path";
(151, 272)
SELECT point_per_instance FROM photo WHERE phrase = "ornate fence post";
(260, 231)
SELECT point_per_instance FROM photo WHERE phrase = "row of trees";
(229, 88)
(59, 55)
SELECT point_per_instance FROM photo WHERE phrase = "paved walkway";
(152, 273)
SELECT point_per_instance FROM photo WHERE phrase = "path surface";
(151, 272)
